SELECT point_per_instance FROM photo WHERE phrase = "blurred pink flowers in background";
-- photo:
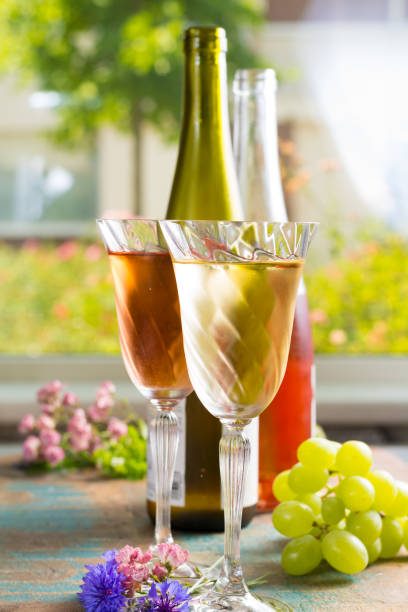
(93, 252)
(26, 424)
(31, 447)
(337, 337)
(67, 250)
(62, 430)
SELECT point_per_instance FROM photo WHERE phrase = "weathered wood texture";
(51, 525)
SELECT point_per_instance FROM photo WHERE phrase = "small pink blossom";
(80, 443)
(318, 315)
(48, 409)
(98, 411)
(77, 424)
(70, 399)
(67, 250)
(26, 424)
(49, 437)
(93, 252)
(159, 571)
(31, 447)
(45, 422)
(337, 337)
(106, 388)
(129, 554)
(49, 392)
(172, 554)
(31, 245)
(117, 428)
(53, 454)
(136, 574)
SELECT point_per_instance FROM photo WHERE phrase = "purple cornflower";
(102, 589)
(169, 597)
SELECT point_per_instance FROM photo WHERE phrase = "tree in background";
(115, 61)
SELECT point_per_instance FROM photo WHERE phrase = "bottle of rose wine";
(205, 187)
(290, 417)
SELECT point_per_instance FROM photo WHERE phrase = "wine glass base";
(212, 601)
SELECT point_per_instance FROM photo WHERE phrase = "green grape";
(312, 500)
(317, 453)
(385, 489)
(293, 519)
(354, 458)
(391, 538)
(365, 525)
(344, 551)
(301, 555)
(399, 506)
(281, 489)
(333, 510)
(357, 493)
(304, 479)
(374, 550)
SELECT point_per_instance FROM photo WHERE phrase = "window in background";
(41, 183)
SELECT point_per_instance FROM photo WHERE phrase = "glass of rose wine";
(237, 284)
(151, 342)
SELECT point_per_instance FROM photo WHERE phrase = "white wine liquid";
(237, 322)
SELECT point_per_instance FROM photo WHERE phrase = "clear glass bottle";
(290, 417)
(205, 187)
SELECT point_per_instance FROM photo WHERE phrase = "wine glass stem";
(234, 458)
(164, 441)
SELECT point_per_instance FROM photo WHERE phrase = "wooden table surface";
(51, 525)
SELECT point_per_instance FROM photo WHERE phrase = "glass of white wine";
(237, 284)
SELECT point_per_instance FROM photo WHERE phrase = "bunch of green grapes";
(335, 507)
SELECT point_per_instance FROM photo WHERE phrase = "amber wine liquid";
(149, 323)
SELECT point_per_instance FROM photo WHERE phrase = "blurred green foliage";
(124, 458)
(358, 300)
(60, 299)
(115, 61)
(56, 300)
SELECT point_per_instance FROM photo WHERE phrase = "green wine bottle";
(205, 187)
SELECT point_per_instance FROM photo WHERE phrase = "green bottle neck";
(205, 90)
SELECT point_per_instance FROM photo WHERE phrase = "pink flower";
(48, 409)
(93, 252)
(159, 571)
(67, 250)
(31, 245)
(53, 454)
(31, 447)
(49, 392)
(26, 424)
(172, 554)
(45, 422)
(49, 437)
(117, 428)
(129, 554)
(80, 443)
(318, 315)
(98, 411)
(77, 424)
(337, 337)
(70, 399)
(107, 387)
(137, 572)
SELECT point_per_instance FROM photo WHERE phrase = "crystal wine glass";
(237, 285)
(151, 342)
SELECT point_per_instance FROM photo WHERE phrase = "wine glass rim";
(120, 219)
(225, 221)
